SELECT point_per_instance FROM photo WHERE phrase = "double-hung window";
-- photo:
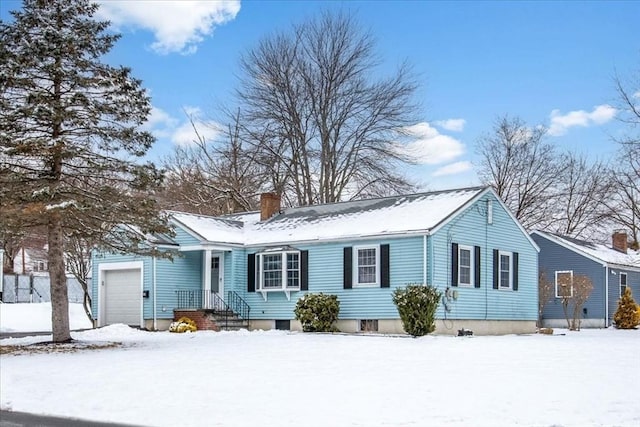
(465, 265)
(279, 271)
(623, 283)
(505, 272)
(366, 269)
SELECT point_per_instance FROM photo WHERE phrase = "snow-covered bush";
(317, 312)
(417, 305)
(627, 315)
(183, 324)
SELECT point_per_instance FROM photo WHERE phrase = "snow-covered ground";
(37, 317)
(587, 378)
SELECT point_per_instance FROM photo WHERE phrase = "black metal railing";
(209, 300)
(238, 305)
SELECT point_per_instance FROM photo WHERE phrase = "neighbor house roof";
(598, 252)
(415, 213)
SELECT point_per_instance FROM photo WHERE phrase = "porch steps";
(231, 323)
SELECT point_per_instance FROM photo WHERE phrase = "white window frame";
(626, 282)
(472, 264)
(356, 278)
(556, 282)
(500, 255)
(283, 276)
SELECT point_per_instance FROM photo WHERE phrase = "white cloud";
(637, 94)
(184, 134)
(561, 123)
(164, 126)
(160, 123)
(428, 146)
(453, 168)
(454, 125)
(178, 26)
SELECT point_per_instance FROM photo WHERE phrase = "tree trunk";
(59, 298)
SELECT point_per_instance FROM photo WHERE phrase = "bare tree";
(582, 191)
(213, 177)
(321, 125)
(78, 262)
(624, 206)
(545, 294)
(572, 302)
(521, 167)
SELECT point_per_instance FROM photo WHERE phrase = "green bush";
(417, 305)
(317, 312)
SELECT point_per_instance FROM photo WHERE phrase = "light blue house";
(611, 268)
(464, 241)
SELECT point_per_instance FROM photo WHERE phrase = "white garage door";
(122, 297)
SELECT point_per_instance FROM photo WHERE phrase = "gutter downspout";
(424, 260)
(155, 301)
(1, 270)
(606, 296)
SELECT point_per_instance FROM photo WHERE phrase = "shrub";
(317, 312)
(184, 324)
(627, 315)
(417, 305)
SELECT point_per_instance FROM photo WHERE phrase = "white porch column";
(206, 277)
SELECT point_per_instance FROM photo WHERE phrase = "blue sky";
(549, 63)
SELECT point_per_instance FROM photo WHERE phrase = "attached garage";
(121, 296)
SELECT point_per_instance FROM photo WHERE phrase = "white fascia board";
(209, 246)
(351, 238)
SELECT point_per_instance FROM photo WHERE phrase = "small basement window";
(283, 325)
(369, 325)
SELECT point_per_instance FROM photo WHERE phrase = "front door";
(215, 275)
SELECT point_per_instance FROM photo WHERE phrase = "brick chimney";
(269, 205)
(619, 241)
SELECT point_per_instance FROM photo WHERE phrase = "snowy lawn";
(37, 317)
(587, 378)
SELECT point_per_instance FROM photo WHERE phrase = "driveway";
(22, 419)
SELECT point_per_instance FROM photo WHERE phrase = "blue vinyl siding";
(633, 281)
(184, 272)
(472, 229)
(554, 257)
(326, 276)
(183, 238)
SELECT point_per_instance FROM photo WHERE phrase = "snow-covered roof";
(345, 220)
(211, 229)
(597, 251)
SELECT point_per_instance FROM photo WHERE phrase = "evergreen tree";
(70, 137)
(627, 315)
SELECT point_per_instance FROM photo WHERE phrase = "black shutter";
(347, 265)
(251, 273)
(304, 270)
(496, 265)
(384, 266)
(476, 259)
(515, 271)
(454, 264)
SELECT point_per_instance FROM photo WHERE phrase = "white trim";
(424, 260)
(283, 268)
(472, 264)
(500, 255)
(555, 282)
(606, 296)
(107, 266)
(356, 282)
(207, 246)
(155, 301)
(189, 231)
